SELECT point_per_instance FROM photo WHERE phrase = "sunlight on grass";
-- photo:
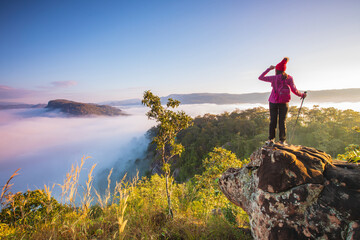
(131, 209)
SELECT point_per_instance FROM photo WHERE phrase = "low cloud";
(44, 146)
(63, 84)
(7, 92)
(43, 93)
(55, 85)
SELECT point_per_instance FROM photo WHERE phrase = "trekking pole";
(297, 118)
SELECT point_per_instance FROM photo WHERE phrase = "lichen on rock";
(296, 192)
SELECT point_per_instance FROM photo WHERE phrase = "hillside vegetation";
(327, 129)
(137, 208)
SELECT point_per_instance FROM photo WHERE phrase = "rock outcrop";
(83, 109)
(296, 192)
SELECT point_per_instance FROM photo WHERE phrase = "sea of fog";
(45, 144)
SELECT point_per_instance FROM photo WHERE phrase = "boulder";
(296, 192)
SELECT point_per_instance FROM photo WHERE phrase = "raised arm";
(265, 78)
(294, 89)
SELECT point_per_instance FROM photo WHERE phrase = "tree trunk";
(167, 174)
(168, 195)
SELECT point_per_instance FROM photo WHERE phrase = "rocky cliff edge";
(296, 192)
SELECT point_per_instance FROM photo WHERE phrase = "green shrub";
(351, 155)
(30, 208)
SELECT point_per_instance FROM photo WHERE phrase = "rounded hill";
(83, 109)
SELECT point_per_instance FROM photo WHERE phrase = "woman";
(279, 99)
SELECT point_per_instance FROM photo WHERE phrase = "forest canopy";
(243, 131)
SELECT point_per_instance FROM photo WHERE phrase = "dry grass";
(69, 188)
(133, 209)
(103, 201)
(6, 195)
(87, 198)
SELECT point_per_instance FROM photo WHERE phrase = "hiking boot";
(270, 143)
(283, 143)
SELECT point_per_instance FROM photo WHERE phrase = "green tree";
(209, 193)
(170, 124)
(31, 208)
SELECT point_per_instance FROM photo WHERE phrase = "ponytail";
(284, 75)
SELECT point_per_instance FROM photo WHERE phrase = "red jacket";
(279, 94)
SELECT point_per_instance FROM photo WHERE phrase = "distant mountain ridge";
(218, 98)
(5, 106)
(321, 96)
(82, 109)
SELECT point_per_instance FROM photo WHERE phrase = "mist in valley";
(46, 144)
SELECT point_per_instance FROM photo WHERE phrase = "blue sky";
(110, 50)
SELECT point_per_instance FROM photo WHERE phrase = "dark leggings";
(278, 109)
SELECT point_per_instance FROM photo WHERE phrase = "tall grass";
(131, 209)
(6, 195)
(69, 188)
